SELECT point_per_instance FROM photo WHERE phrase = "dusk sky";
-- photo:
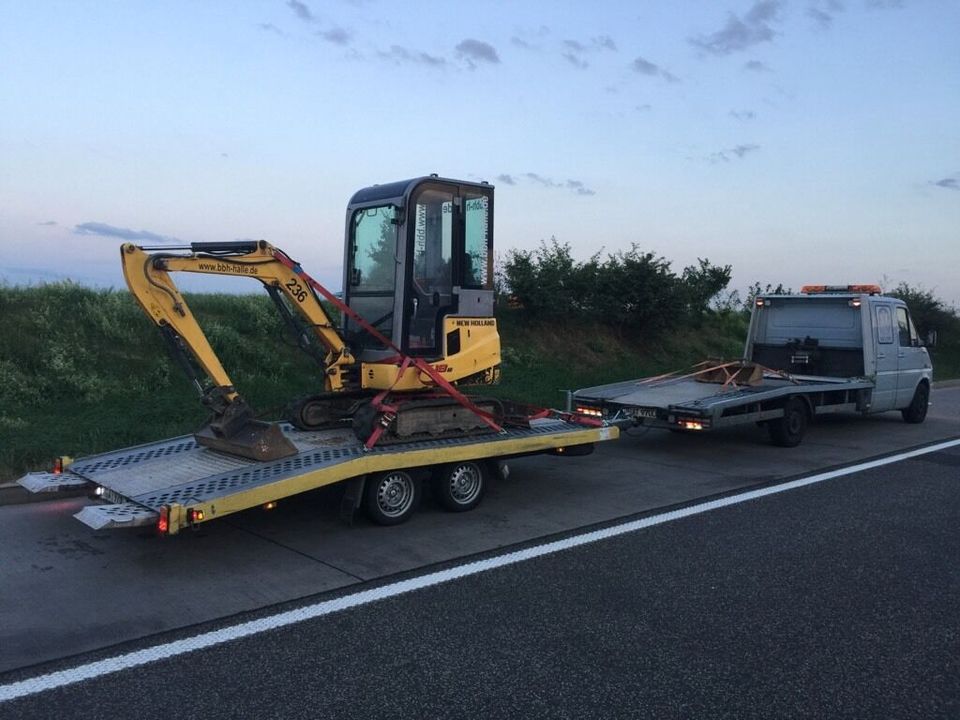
(800, 141)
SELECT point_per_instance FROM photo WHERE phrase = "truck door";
(887, 362)
(912, 358)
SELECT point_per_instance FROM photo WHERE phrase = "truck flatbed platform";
(708, 399)
(189, 483)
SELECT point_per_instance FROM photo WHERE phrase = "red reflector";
(163, 524)
(58, 466)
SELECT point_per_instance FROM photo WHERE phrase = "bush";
(630, 291)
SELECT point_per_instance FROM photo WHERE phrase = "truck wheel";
(391, 497)
(788, 431)
(460, 486)
(916, 411)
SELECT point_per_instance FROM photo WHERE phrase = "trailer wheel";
(460, 486)
(788, 431)
(392, 497)
(916, 411)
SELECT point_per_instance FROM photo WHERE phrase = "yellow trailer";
(176, 483)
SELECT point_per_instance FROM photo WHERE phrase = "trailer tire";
(391, 497)
(459, 486)
(788, 431)
(916, 411)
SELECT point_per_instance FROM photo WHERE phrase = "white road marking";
(134, 659)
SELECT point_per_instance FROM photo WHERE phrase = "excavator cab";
(418, 256)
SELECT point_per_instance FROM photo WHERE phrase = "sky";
(800, 141)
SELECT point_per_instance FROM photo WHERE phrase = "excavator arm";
(233, 427)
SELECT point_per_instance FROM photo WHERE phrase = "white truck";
(829, 349)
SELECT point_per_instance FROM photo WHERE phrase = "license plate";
(646, 412)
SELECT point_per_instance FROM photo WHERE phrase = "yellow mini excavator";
(417, 319)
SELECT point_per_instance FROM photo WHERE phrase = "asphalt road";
(840, 599)
(67, 591)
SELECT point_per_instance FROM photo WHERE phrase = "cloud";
(111, 231)
(575, 60)
(399, 54)
(645, 67)
(271, 28)
(604, 42)
(476, 51)
(577, 187)
(300, 10)
(742, 33)
(47, 223)
(947, 183)
(521, 43)
(335, 35)
(756, 66)
(737, 151)
(884, 4)
(575, 46)
(823, 12)
(743, 114)
(646, 107)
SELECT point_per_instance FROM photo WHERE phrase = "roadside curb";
(945, 384)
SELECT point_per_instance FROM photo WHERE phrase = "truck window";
(908, 333)
(884, 325)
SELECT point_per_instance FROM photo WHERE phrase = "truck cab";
(850, 331)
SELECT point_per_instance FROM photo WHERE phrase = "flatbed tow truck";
(829, 349)
(417, 325)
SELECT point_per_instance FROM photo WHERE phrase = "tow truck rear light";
(163, 523)
(270, 505)
(194, 515)
(691, 425)
(589, 411)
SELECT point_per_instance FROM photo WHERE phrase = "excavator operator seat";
(417, 251)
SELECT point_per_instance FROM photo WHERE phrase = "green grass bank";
(83, 371)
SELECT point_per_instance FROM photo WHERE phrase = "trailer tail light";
(589, 411)
(270, 505)
(163, 523)
(194, 516)
(691, 424)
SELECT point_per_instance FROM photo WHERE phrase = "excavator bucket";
(257, 440)
(235, 431)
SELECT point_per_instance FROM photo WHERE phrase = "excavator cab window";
(372, 270)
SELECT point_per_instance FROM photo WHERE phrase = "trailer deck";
(688, 403)
(189, 483)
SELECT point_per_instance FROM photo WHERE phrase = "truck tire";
(392, 497)
(459, 486)
(788, 431)
(916, 411)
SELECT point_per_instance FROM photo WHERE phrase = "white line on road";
(129, 660)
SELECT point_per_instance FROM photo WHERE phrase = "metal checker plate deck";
(694, 394)
(243, 474)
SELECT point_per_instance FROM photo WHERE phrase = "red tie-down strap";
(421, 364)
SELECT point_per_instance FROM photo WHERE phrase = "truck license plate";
(646, 412)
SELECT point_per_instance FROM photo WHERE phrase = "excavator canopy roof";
(397, 192)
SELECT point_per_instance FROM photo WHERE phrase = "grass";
(83, 371)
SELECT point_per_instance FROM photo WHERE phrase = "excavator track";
(426, 419)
